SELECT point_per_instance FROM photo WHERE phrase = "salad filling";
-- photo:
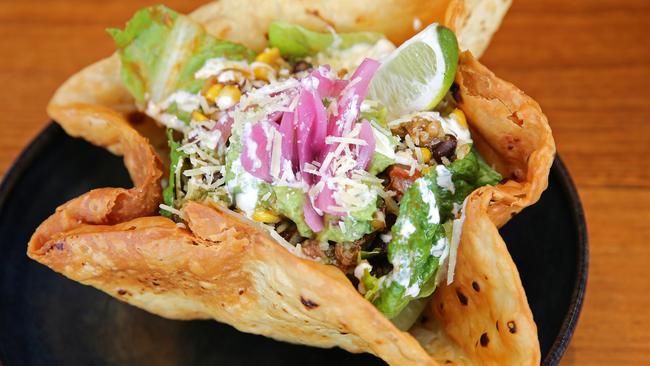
(315, 138)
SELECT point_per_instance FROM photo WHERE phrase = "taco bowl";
(227, 260)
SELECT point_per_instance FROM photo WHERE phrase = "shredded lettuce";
(295, 41)
(161, 50)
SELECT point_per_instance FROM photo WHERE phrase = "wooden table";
(587, 62)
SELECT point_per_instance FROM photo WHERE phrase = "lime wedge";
(416, 76)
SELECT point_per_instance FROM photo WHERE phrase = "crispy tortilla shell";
(225, 267)
(474, 21)
(109, 205)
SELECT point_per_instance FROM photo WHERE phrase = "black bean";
(445, 148)
(301, 66)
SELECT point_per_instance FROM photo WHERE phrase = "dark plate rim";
(570, 322)
(561, 343)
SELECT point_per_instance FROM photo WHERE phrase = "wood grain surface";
(587, 62)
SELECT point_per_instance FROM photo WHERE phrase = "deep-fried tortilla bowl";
(228, 268)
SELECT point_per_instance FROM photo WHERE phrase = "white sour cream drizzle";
(246, 199)
(443, 178)
(429, 198)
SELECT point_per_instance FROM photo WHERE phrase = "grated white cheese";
(276, 154)
(172, 210)
(345, 140)
(404, 158)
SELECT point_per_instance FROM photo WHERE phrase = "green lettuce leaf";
(410, 248)
(297, 42)
(161, 50)
(379, 163)
(470, 173)
(411, 254)
(407, 317)
(371, 283)
(175, 157)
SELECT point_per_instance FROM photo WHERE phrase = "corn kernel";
(261, 73)
(228, 96)
(426, 154)
(269, 56)
(265, 216)
(198, 116)
(213, 92)
(460, 117)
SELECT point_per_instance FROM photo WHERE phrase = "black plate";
(46, 319)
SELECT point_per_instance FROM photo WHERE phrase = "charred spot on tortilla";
(58, 246)
(476, 286)
(484, 340)
(308, 303)
(461, 297)
(123, 292)
(512, 327)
